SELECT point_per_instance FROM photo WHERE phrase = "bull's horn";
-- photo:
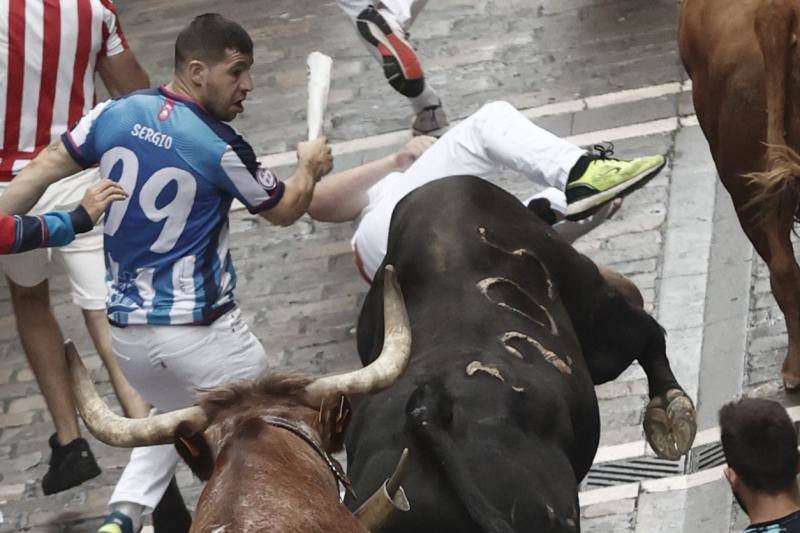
(380, 508)
(113, 429)
(393, 483)
(389, 365)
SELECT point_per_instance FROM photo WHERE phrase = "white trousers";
(167, 364)
(404, 12)
(495, 138)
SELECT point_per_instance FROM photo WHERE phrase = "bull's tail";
(429, 412)
(775, 26)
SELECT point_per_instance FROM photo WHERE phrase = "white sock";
(425, 99)
(131, 510)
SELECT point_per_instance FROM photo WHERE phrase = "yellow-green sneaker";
(605, 178)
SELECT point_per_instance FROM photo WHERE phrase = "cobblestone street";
(587, 70)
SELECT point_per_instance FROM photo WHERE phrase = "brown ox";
(743, 60)
(272, 471)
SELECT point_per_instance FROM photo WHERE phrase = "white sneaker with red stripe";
(400, 63)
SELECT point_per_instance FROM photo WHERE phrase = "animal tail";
(428, 413)
(775, 24)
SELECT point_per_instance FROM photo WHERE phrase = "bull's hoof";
(790, 372)
(791, 380)
(670, 424)
(791, 384)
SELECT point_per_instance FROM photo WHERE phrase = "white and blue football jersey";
(166, 245)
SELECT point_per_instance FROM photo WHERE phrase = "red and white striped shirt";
(48, 55)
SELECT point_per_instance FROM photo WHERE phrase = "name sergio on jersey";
(162, 140)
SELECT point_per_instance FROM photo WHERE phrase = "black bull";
(511, 329)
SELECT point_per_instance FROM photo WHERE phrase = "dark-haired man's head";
(760, 445)
(213, 56)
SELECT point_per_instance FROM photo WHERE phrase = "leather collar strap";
(333, 465)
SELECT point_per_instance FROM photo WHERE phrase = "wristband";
(81, 221)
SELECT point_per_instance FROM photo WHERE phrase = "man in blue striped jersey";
(166, 245)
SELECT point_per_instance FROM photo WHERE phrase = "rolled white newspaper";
(319, 84)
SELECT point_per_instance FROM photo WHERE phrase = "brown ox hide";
(743, 59)
(265, 478)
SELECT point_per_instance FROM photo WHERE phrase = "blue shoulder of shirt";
(112, 103)
(228, 136)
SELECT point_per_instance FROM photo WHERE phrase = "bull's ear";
(336, 413)
(195, 450)
(541, 207)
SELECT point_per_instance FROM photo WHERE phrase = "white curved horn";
(116, 430)
(391, 362)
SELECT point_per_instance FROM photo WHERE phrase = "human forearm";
(297, 195)
(21, 233)
(61, 228)
(314, 160)
(20, 197)
(27, 187)
(342, 196)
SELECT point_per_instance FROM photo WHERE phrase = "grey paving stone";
(16, 419)
(685, 104)
(615, 507)
(622, 523)
(29, 403)
(708, 507)
(620, 114)
(621, 389)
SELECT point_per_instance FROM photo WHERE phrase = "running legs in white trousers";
(167, 364)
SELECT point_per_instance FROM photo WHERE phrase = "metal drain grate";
(631, 471)
(643, 468)
(705, 457)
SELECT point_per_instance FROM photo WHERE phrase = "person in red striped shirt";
(49, 54)
(20, 233)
